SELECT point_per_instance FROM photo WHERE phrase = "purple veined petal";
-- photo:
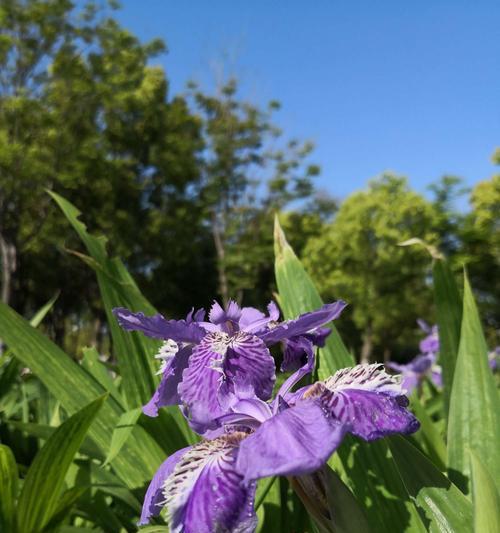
(305, 369)
(368, 399)
(318, 336)
(250, 315)
(166, 393)
(153, 500)
(196, 316)
(201, 381)
(218, 315)
(158, 327)
(297, 350)
(248, 365)
(273, 311)
(253, 408)
(304, 323)
(205, 494)
(296, 441)
(258, 323)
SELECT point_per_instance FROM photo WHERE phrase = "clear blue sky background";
(412, 87)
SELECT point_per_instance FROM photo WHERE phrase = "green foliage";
(40, 496)
(485, 498)
(8, 485)
(357, 259)
(474, 416)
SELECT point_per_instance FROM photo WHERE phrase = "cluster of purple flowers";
(425, 364)
(221, 374)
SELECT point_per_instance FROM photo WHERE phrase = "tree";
(358, 259)
(83, 112)
(245, 179)
(480, 250)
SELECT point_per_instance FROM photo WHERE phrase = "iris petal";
(158, 327)
(153, 501)
(304, 323)
(166, 393)
(205, 493)
(368, 399)
(296, 441)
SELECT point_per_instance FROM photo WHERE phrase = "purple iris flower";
(211, 486)
(430, 344)
(423, 364)
(205, 362)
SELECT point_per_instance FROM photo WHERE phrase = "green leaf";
(8, 488)
(268, 505)
(99, 372)
(299, 295)
(141, 456)
(429, 435)
(485, 498)
(368, 470)
(43, 431)
(12, 368)
(346, 512)
(42, 487)
(474, 418)
(449, 316)
(64, 506)
(442, 505)
(133, 351)
(122, 432)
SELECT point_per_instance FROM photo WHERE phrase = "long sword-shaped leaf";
(44, 481)
(474, 417)
(74, 388)
(298, 295)
(443, 506)
(485, 497)
(122, 431)
(449, 316)
(368, 470)
(134, 353)
(8, 488)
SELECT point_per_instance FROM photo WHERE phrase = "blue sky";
(411, 87)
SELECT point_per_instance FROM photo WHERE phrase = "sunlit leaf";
(474, 419)
(42, 486)
(442, 505)
(485, 498)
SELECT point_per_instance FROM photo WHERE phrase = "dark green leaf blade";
(8, 488)
(474, 417)
(133, 351)
(443, 506)
(48, 362)
(449, 317)
(122, 431)
(42, 486)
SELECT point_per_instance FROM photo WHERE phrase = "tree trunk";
(8, 261)
(221, 254)
(367, 348)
